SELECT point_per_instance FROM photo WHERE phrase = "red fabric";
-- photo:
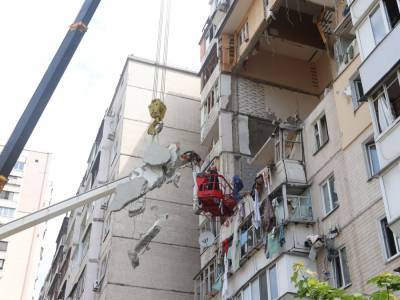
(225, 246)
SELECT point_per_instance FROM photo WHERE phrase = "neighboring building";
(282, 91)
(92, 258)
(20, 254)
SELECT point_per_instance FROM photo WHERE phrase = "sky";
(31, 33)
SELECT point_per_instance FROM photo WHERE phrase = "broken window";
(391, 242)
(329, 194)
(321, 136)
(392, 10)
(386, 102)
(357, 91)
(341, 273)
(243, 35)
(292, 145)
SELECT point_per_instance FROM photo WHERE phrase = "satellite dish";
(206, 239)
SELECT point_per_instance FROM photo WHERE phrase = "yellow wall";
(352, 123)
(255, 17)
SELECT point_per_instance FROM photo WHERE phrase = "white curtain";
(385, 115)
(256, 220)
(224, 292)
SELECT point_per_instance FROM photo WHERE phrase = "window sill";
(321, 147)
(329, 213)
(388, 130)
(346, 286)
(360, 104)
(392, 258)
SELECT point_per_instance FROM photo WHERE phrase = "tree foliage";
(309, 287)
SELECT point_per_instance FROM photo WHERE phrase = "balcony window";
(250, 237)
(386, 103)
(7, 195)
(300, 208)
(391, 242)
(7, 212)
(341, 273)
(243, 35)
(321, 135)
(377, 25)
(255, 290)
(19, 166)
(210, 225)
(86, 242)
(329, 194)
(205, 282)
(392, 10)
(273, 283)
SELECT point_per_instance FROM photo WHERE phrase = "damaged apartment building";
(92, 260)
(286, 93)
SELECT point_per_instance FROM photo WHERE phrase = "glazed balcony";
(282, 158)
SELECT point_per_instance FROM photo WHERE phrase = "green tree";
(309, 287)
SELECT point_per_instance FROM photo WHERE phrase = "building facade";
(20, 254)
(284, 86)
(92, 258)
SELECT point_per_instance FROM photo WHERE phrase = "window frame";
(319, 143)
(3, 246)
(382, 90)
(356, 94)
(12, 211)
(327, 182)
(2, 262)
(384, 240)
(368, 157)
(339, 256)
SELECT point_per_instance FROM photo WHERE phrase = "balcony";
(293, 208)
(381, 61)
(282, 158)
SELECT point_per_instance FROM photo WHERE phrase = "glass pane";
(255, 290)
(317, 138)
(325, 195)
(388, 236)
(337, 272)
(273, 283)
(324, 130)
(378, 25)
(247, 293)
(263, 286)
(345, 266)
(393, 91)
(393, 11)
(373, 159)
(366, 38)
(334, 196)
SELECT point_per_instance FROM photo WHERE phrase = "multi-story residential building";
(20, 254)
(282, 96)
(376, 26)
(92, 258)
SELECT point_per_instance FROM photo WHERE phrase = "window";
(2, 264)
(386, 103)
(205, 282)
(243, 35)
(377, 25)
(7, 212)
(3, 246)
(80, 286)
(250, 237)
(357, 91)
(273, 283)
(255, 290)
(392, 10)
(212, 225)
(372, 155)
(320, 132)
(19, 166)
(329, 194)
(341, 273)
(85, 242)
(7, 195)
(391, 243)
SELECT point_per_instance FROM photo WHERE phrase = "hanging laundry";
(282, 234)
(225, 280)
(243, 238)
(256, 219)
(269, 216)
(236, 243)
(272, 245)
(237, 187)
(266, 174)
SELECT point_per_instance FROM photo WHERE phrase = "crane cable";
(157, 107)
